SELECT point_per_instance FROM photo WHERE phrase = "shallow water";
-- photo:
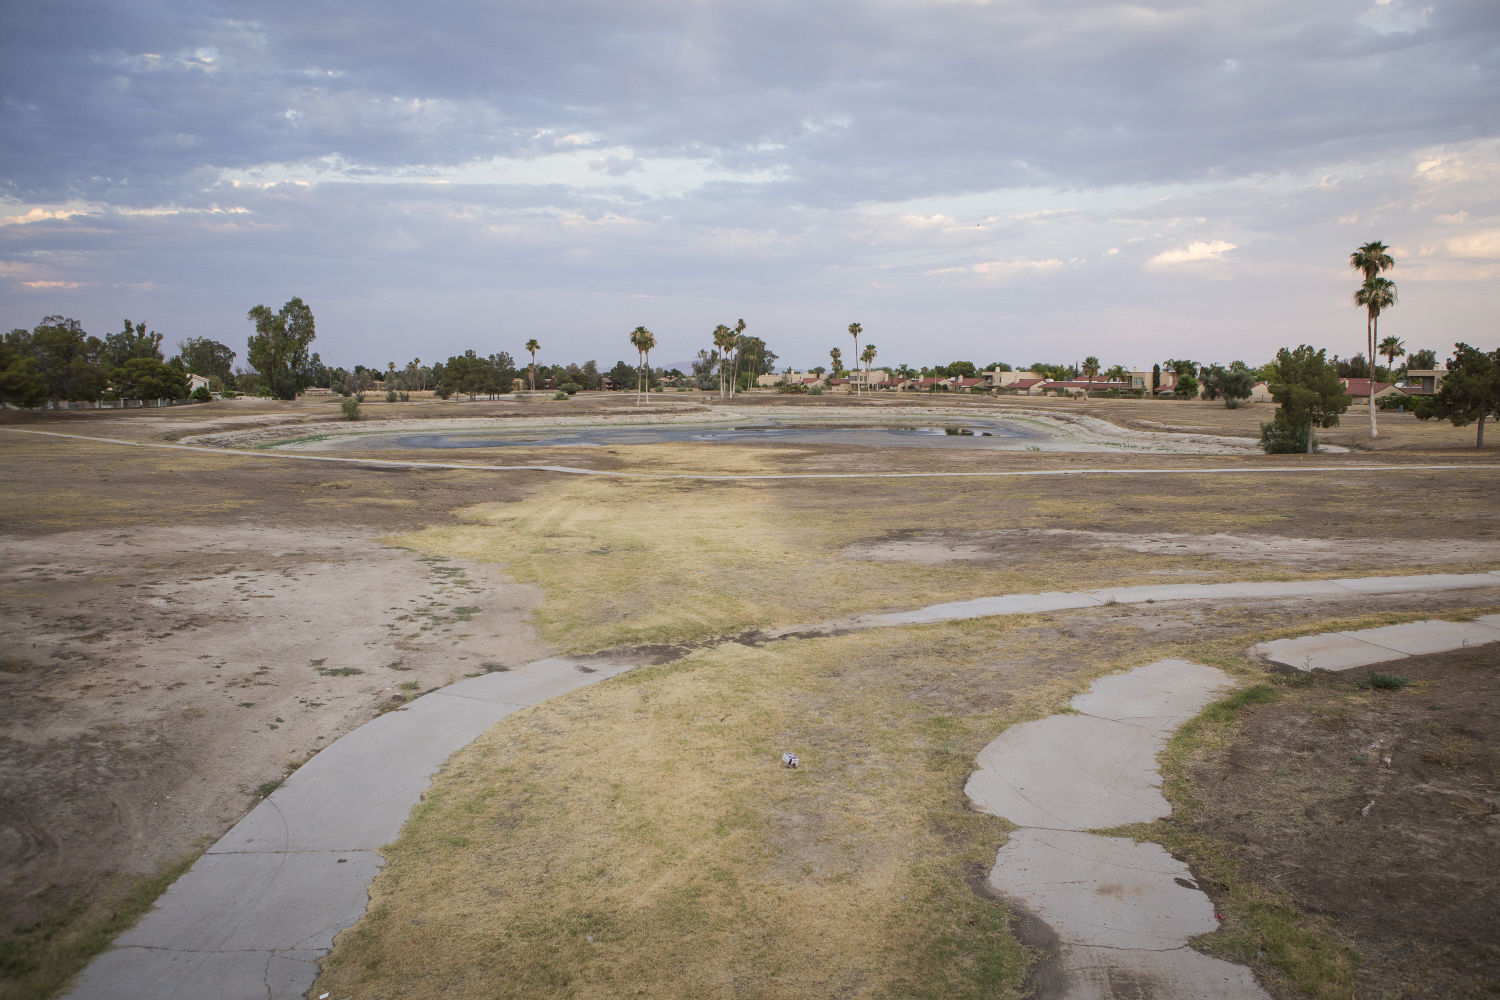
(992, 436)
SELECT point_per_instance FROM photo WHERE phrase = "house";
(1424, 381)
(976, 384)
(1081, 385)
(1260, 392)
(1359, 389)
(1007, 380)
(195, 382)
(874, 378)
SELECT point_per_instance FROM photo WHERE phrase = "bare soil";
(1411, 883)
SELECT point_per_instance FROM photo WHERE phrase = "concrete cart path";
(1347, 650)
(256, 913)
(1123, 912)
(253, 917)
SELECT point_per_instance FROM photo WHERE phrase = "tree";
(836, 357)
(148, 378)
(642, 340)
(1118, 373)
(1155, 378)
(1470, 391)
(1391, 348)
(278, 349)
(854, 331)
(1232, 383)
(131, 342)
(868, 356)
(1306, 387)
(20, 385)
(68, 360)
(533, 347)
(739, 349)
(1090, 372)
(1424, 360)
(1371, 259)
(724, 341)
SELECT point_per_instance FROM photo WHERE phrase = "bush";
(559, 394)
(789, 387)
(571, 388)
(1280, 438)
(201, 394)
(816, 390)
(1233, 404)
(1384, 682)
(350, 408)
(390, 395)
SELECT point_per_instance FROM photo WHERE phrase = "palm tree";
(837, 357)
(1391, 348)
(739, 330)
(1376, 294)
(1370, 259)
(867, 356)
(642, 340)
(1091, 372)
(724, 340)
(854, 331)
(533, 347)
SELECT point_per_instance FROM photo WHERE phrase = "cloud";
(1484, 245)
(1193, 253)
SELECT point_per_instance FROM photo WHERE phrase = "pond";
(1007, 435)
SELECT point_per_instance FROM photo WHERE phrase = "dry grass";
(641, 836)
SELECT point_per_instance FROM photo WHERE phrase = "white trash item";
(790, 759)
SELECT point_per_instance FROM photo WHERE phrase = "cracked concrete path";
(254, 916)
(1123, 912)
(1366, 647)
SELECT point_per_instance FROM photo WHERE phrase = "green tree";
(1306, 387)
(20, 385)
(1370, 260)
(739, 350)
(278, 349)
(1424, 360)
(836, 357)
(1090, 372)
(1470, 391)
(642, 340)
(533, 347)
(68, 360)
(854, 331)
(868, 357)
(132, 342)
(148, 378)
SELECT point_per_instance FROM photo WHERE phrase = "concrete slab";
(1255, 590)
(1103, 892)
(1493, 621)
(1070, 772)
(1098, 769)
(1327, 651)
(1109, 974)
(1417, 638)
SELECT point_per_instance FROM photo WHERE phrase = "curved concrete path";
(572, 470)
(257, 912)
(252, 918)
(1123, 912)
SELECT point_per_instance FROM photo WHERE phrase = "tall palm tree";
(739, 338)
(642, 340)
(1370, 259)
(836, 356)
(1375, 295)
(854, 331)
(1091, 372)
(724, 340)
(533, 347)
(867, 356)
(1391, 348)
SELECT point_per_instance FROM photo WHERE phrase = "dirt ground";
(1411, 883)
(185, 628)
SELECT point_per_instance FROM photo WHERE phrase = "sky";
(1016, 180)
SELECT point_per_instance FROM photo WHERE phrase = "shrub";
(559, 394)
(1384, 682)
(789, 387)
(569, 388)
(1233, 404)
(1280, 438)
(350, 408)
(816, 390)
(201, 394)
(390, 395)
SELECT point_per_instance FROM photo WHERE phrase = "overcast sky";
(1014, 180)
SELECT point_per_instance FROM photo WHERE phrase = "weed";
(339, 671)
(1382, 682)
